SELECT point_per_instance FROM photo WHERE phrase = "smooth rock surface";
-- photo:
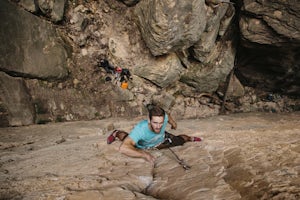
(242, 156)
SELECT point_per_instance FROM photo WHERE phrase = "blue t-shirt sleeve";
(135, 134)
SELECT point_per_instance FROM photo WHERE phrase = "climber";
(150, 134)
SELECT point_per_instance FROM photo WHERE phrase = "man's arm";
(128, 148)
(172, 122)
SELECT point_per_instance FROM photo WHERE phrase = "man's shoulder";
(142, 123)
(139, 130)
(140, 126)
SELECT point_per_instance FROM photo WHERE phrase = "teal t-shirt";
(144, 138)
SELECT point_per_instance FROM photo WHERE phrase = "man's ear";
(149, 120)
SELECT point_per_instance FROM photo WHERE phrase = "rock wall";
(30, 48)
(17, 99)
(181, 55)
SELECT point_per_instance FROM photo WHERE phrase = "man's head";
(156, 118)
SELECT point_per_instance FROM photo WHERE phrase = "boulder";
(207, 77)
(54, 9)
(30, 47)
(267, 21)
(17, 100)
(164, 72)
(168, 26)
(29, 5)
(218, 22)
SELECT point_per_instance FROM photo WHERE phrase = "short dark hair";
(156, 111)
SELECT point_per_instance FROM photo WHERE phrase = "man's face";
(156, 123)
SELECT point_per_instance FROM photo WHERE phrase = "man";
(149, 134)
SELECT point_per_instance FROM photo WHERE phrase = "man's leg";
(189, 138)
(121, 135)
(173, 140)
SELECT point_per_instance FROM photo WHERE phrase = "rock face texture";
(242, 156)
(53, 10)
(180, 54)
(163, 74)
(168, 26)
(270, 45)
(30, 46)
(17, 99)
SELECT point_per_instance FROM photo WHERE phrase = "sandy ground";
(242, 156)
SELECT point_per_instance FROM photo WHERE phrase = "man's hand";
(174, 126)
(128, 148)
